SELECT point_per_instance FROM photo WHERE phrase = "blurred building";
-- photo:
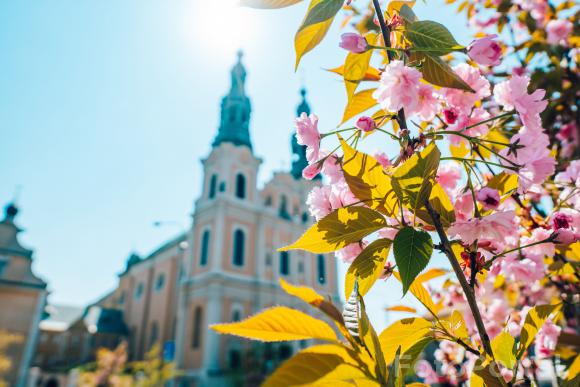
(22, 299)
(225, 267)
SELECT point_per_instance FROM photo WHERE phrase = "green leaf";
(404, 334)
(432, 37)
(308, 37)
(503, 346)
(407, 13)
(321, 11)
(534, 321)
(413, 249)
(395, 375)
(368, 181)
(411, 354)
(370, 340)
(268, 4)
(438, 72)
(340, 228)
(367, 267)
(413, 180)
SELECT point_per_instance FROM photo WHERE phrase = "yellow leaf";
(397, 4)
(460, 150)
(441, 203)
(455, 324)
(368, 181)
(360, 102)
(422, 295)
(404, 333)
(504, 183)
(371, 341)
(401, 308)
(340, 228)
(413, 180)
(372, 74)
(483, 376)
(534, 321)
(308, 37)
(503, 346)
(430, 274)
(356, 65)
(268, 4)
(367, 267)
(279, 324)
(574, 369)
(310, 296)
(315, 365)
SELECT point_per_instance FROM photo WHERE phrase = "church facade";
(225, 267)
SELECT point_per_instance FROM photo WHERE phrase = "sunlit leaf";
(279, 324)
(360, 102)
(503, 346)
(314, 365)
(268, 4)
(320, 11)
(356, 66)
(368, 181)
(404, 334)
(338, 229)
(413, 180)
(503, 182)
(401, 308)
(534, 321)
(421, 294)
(407, 13)
(439, 73)
(396, 5)
(395, 375)
(308, 37)
(461, 150)
(431, 274)
(441, 203)
(372, 74)
(484, 376)
(367, 267)
(412, 249)
(371, 341)
(455, 324)
(432, 37)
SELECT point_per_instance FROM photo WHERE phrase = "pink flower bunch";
(547, 339)
(513, 94)
(564, 227)
(559, 31)
(485, 51)
(495, 228)
(307, 134)
(398, 87)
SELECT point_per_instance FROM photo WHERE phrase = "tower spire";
(235, 110)
(299, 161)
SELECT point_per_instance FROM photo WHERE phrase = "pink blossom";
(571, 174)
(543, 249)
(463, 206)
(534, 161)
(341, 196)
(488, 197)
(558, 31)
(513, 94)
(568, 132)
(383, 159)
(563, 227)
(450, 115)
(425, 371)
(353, 42)
(495, 227)
(547, 339)
(307, 134)
(318, 202)
(485, 51)
(332, 170)
(526, 270)
(366, 124)
(428, 103)
(463, 101)
(311, 171)
(448, 175)
(398, 87)
(350, 252)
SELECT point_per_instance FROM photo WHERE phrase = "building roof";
(9, 243)
(135, 260)
(60, 317)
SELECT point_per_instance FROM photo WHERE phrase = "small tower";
(299, 161)
(235, 110)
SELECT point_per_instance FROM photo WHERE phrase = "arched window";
(239, 246)
(283, 209)
(236, 314)
(196, 334)
(321, 269)
(212, 186)
(240, 186)
(204, 253)
(160, 282)
(284, 263)
(154, 334)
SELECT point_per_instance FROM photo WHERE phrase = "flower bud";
(353, 42)
(366, 124)
(485, 51)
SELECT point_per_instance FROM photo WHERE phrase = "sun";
(222, 27)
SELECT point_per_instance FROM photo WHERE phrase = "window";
(283, 210)
(223, 186)
(3, 266)
(236, 315)
(159, 282)
(212, 186)
(321, 269)
(154, 334)
(196, 334)
(240, 186)
(139, 291)
(204, 248)
(284, 263)
(239, 242)
(121, 299)
(235, 359)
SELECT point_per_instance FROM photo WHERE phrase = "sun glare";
(221, 27)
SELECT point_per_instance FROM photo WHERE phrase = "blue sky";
(107, 106)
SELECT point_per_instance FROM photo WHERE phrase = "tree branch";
(467, 290)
